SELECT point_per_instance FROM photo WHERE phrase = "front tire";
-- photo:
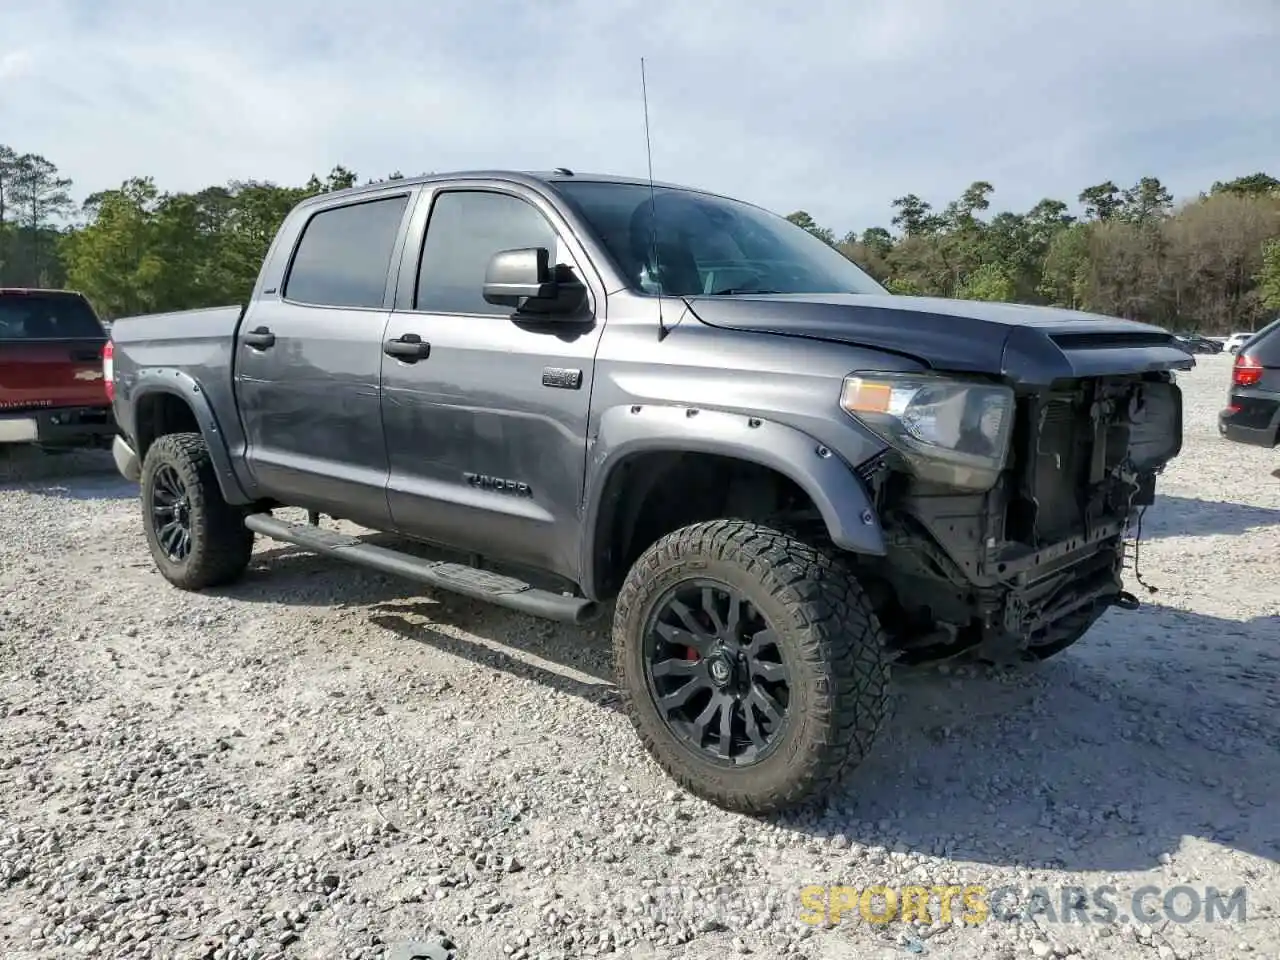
(196, 538)
(750, 664)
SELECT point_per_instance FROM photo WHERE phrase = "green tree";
(257, 210)
(878, 239)
(115, 260)
(870, 251)
(913, 217)
(1064, 275)
(991, 281)
(1253, 185)
(8, 172)
(1101, 201)
(9, 165)
(40, 197)
(1214, 253)
(903, 287)
(1268, 276)
(1146, 202)
(962, 214)
(339, 178)
(804, 221)
(1210, 264)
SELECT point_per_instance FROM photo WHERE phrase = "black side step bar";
(456, 577)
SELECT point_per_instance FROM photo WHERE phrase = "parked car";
(1236, 341)
(52, 388)
(1252, 414)
(1194, 343)
(785, 477)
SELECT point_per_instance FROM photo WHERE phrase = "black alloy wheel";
(750, 663)
(171, 513)
(196, 538)
(716, 672)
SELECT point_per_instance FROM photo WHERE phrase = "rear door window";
(36, 316)
(344, 255)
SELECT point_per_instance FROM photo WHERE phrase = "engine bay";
(1043, 550)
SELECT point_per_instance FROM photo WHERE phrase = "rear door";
(308, 359)
(50, 351)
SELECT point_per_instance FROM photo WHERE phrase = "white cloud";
(13, 64)
(828, 105)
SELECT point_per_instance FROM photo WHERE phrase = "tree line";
(1211, 264)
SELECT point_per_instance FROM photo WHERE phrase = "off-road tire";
(221, 545)
(829, 638)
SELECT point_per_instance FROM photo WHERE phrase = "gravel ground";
(317, 763)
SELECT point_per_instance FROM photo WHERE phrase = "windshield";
(708, 245)
(47, 316)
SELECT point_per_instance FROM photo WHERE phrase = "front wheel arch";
(628, 435)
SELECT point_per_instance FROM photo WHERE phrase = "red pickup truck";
(52, 391)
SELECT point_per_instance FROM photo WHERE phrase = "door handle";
(260, 339)
(409, 347)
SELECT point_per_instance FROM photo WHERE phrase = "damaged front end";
(1027, 563)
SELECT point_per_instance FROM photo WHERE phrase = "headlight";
(951, 431)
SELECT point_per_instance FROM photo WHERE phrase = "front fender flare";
(186, 388)
(837, 492)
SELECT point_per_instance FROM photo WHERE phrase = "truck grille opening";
(1056, 472)
(1084, 454)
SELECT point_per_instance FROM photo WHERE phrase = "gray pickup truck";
(556, 391)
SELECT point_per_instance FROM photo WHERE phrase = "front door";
(486, 432)
(308, 361)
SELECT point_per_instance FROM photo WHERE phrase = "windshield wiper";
(734, 291)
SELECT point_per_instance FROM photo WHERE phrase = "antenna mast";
(653, 200)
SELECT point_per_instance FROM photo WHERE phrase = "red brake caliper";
(691, 653)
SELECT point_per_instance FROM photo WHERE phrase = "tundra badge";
(499, 484)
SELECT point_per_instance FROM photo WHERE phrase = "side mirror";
(525, 280)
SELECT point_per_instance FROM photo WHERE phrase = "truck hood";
(1028, 345)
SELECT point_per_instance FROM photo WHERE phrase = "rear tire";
(196, 538)
(802, 616)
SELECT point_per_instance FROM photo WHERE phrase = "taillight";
(1246, 372)
(109, 370)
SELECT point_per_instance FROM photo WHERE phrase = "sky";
(831, 106)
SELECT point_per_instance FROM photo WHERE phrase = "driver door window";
(466, 228)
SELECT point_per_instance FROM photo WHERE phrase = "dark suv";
(1252, 414)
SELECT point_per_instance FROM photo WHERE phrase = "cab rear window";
(40, 316)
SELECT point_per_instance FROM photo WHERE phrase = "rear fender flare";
(837, 492)
(182, 385)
